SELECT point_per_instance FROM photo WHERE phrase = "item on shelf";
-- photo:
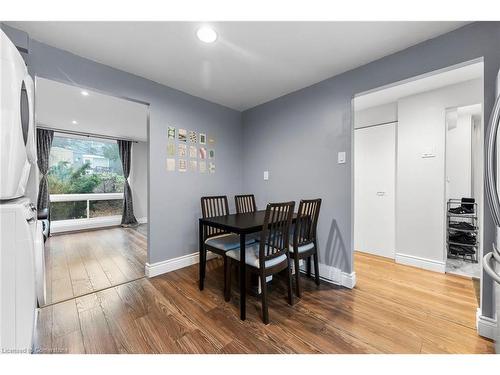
(462, 234)
(462, 225)
(468, 203)
(464, 238)
(461, 210)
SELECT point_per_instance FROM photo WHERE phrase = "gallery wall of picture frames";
(190, 151)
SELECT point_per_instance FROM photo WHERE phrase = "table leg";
(202, 259)
(243, 278)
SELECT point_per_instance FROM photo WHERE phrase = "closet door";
(374, 189)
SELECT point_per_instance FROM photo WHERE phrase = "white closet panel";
(374, 189)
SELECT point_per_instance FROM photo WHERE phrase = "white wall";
(138, 179)
(380, 114)
(459, 156)
(420, 198)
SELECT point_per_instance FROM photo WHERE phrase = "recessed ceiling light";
(85, 93)
(206, 34)
(74, 122)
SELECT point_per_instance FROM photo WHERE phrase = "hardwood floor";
(392, 309)
(85, 262)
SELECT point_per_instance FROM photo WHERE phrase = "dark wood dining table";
(242, 225)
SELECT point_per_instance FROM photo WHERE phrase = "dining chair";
(216, 240)
(245, 203)
(303, 241)
(270, 255)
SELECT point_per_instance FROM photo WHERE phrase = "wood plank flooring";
(392, 309)
(85, 262)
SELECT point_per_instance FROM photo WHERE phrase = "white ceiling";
(431, 81)
(250, 63)
(57, 105)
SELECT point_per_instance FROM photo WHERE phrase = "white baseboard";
(142, 220)
(486, 327)
(426, 264)
(60, 226)
(173, 264)
(327, 273)
(335, 275)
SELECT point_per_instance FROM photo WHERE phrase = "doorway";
(400, 164)
(98, 146)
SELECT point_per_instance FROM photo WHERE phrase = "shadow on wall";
(336, 253)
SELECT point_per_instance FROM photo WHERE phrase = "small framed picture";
(193, 138)
(203, 166)
(171, 133)
(203, 153)
(182, 135)
(193, 152)
(182, 150)
(170, 165)
(171, 149)
(211, 168)
(203, 139)
(211, 154)
(182, 165)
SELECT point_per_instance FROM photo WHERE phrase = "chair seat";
(227, 241)
(252, 256)
(302, 248)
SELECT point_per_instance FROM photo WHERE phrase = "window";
(85, 178)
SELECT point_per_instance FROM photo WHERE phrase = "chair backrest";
(211, 207)
(306, 222)
(245, 203)
(276, 231)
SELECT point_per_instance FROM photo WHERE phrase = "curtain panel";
(128, 218)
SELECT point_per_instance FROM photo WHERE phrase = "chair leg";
(203, 266)
(308, 266)
(316, 268)
(289, 283)
(263, 287)
(227, 279)
(297, 275)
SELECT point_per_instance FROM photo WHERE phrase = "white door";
(374, 189)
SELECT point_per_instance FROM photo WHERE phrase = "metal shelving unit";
(472, 219)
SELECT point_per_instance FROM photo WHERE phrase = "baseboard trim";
(486, 327)
(333, 275)
(327, 273)
(426, 264)
(166, 266)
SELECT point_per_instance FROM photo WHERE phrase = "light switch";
(266, 175)
(341, 157)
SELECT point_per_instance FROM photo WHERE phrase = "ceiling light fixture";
(206, 34)
(74, 122)
(85, 93)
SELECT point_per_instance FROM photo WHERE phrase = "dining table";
(242, 224)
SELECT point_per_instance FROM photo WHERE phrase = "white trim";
(486, 327)
(85, 197)
(334, 275)
(60, 226)
(142, 220)
(426, 264)
(169, 265)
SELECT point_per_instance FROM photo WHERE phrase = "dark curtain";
(43, 144)
(128, 218)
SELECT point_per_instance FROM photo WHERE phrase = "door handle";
(489, 270)
(380, 193)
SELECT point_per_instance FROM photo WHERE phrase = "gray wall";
(175, 196)
(297, 137)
